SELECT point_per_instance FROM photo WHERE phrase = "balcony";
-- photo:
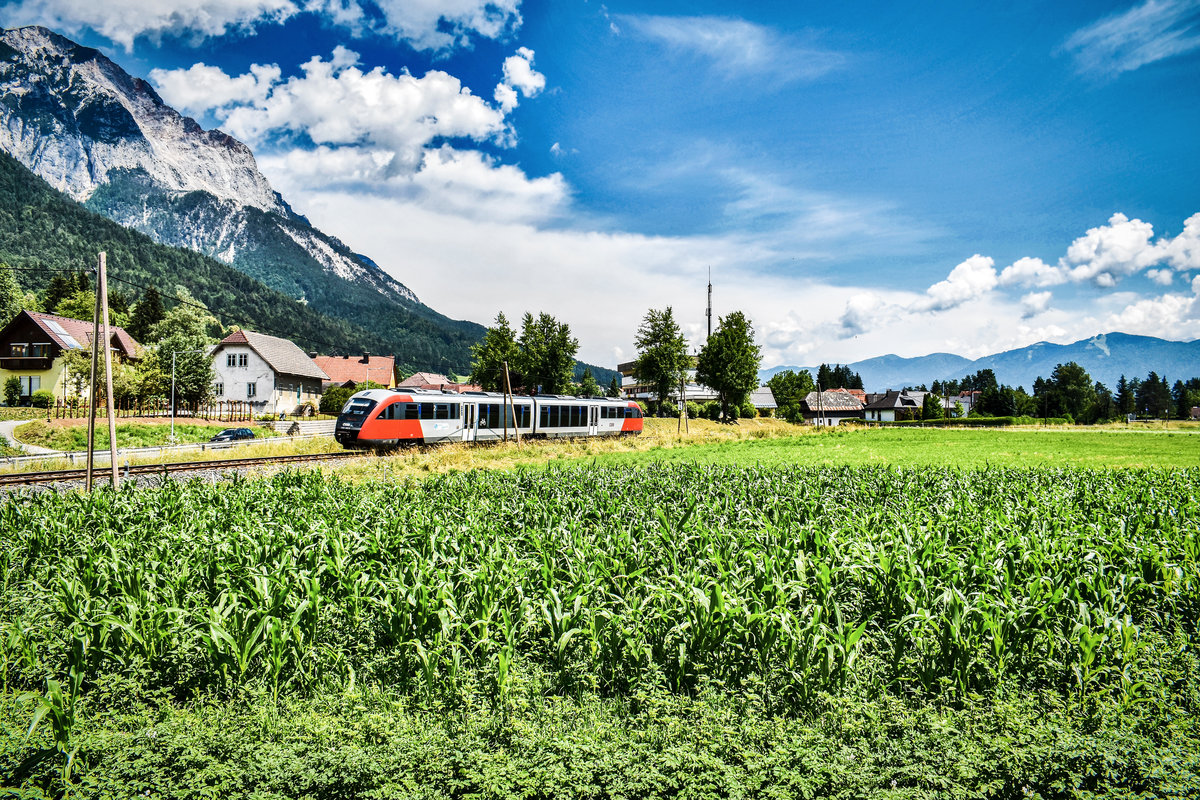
(25, 363)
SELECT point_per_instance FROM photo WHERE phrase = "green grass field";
(952, 447)
(73, 437)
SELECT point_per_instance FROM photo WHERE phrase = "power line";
(179, 301)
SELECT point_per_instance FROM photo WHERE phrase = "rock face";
(105, 138)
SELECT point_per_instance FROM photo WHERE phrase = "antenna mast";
(708, 313)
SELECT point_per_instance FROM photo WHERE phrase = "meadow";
(598, 630)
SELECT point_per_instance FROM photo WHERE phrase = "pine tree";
(147, 312)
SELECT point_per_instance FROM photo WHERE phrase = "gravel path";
(6, 431)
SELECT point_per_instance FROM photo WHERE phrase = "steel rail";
(63, 475)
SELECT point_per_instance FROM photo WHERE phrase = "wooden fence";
(225, 411)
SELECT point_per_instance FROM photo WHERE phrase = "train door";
(593, 419)
(469, 420)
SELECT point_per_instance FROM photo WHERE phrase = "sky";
(859, 178)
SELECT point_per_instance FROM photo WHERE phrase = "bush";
(42, 399)
(695, 410)
(334, 398)
(12, 390)
(748, 410)
(711, 410)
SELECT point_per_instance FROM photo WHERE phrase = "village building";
(32, 345)
(895, 406)
(830, 407)
(351, 371)
(433, 382)
(272, 374)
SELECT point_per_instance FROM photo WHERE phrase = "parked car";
(233, 435)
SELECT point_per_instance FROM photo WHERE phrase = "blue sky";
(861, 178)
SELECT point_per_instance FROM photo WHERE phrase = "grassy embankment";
(71, 435)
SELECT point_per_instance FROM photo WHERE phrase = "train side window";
(453, 411)
(441, 411)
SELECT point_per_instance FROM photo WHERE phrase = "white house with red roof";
(272, 374)
(349, 371)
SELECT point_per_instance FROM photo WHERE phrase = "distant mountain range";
(1106, 357)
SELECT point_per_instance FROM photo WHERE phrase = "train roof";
(445, 395)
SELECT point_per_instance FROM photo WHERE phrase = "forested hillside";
(40, 227)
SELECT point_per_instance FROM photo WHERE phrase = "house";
(349, 372)
(32, 345)
(273, 375)
(432, 381)
(831, 407)
(893, 406)
(763, 400)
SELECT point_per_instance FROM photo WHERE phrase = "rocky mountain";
(1106, 357)
(76, 119)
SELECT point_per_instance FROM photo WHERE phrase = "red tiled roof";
(423, 379)
(379, 369)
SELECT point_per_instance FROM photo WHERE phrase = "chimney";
(312, 354)
(346, 356)
(366, 359)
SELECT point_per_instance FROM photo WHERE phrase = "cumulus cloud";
(201, 88)
(1034, 303)
(736, 47)
(1152, 31)
(1107, 253)
(1033, 272)
(969, 280)
(436, 25)
(1171, 315)
(1163, 277)
(444, 24)
(1183, 251)
(519, 76)
(862, 312)
(336, 103)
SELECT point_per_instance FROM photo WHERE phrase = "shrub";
(42, 399)
(748, 410)
(711, 410)
(12, 390)
(334, 398)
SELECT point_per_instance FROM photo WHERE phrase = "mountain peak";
(73, 115)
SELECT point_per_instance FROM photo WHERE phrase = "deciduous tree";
(547, 354)
(790, 388)
(662, 360)
(499, 344)
(728, 362)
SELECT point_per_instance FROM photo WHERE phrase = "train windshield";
(356, 410)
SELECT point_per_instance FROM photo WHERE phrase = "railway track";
(101, 475)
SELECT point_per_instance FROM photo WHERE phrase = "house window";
(30, 384)
(231, 360)
(219, 389)
(251, 389)
(243, 359)
(17, 349)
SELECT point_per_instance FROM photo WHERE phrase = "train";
(388, 418)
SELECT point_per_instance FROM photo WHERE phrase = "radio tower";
(708, 313)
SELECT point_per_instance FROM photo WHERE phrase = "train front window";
(356, 410)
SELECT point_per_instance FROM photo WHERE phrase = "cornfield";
(787, 586)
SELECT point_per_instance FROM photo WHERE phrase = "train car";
(384, 418)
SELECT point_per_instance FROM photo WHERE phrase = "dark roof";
(902, 399)
(833, 401)
(75, 334)
(282, 355)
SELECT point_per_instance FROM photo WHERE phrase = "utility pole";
(510, 402)
(100, 312)
(102, 293)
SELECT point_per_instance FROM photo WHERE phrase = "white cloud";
(444, 24)
(967, 281)
(336, 103)
(1196, 285)
(201, 88)
(122, 21)
(1183, 252)
(1163, 277)
(736, 46)
(424, 24)
(862, 313)
(1150, 32)
(1107, 253)
(1171, 316)
(1033, 272)
(1034, 303)
(520, 74)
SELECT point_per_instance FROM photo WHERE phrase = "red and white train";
(385, 418)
